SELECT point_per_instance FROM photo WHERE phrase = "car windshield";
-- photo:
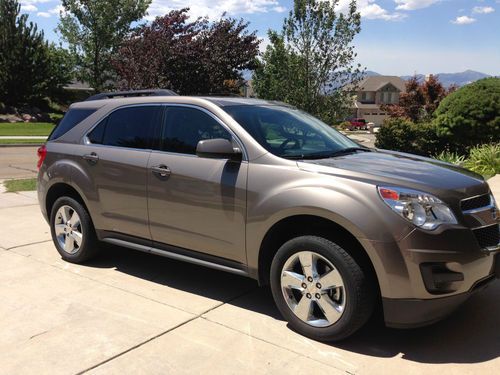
(290, 133)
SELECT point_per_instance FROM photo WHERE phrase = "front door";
(196, 203)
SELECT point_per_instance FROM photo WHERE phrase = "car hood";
(400, 169)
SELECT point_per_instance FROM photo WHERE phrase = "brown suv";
(264, 190)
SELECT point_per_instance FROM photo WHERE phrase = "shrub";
(343, 125)
(470, 116)
(451, 157)
(484, 160)
(403, 135)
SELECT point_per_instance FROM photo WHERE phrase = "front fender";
(353, 205)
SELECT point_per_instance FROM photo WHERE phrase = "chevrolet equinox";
(264, 190)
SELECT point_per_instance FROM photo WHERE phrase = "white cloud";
(375, 11)
(201, 8)
(30, 4)
(57, 10)
(279, 9)
(483, 10)
(414, 4)
(464, 20)
(51, 12)
(28, 8)
(369, 9)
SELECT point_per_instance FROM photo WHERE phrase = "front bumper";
(427, 275)
(414, 313)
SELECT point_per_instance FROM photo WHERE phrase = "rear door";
(196, 203)
(115, 158)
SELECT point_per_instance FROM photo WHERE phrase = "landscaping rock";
(10, 118)
(24, 114)
(26, 117)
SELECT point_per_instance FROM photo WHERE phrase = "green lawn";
(21, 141)
(27, 184)
(26, 128)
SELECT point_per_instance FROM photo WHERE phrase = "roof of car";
(230, 101)
(218, 101)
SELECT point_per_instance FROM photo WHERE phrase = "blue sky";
(398, 36)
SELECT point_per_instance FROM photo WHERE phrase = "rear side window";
(132, 127)
(72, 118)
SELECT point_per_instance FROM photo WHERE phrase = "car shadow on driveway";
(470, 335)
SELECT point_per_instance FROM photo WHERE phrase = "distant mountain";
(370, 73)
(459, 79)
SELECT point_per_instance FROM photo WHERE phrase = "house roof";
(375, 83)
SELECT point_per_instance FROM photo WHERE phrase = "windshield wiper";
(345, 151)
(349, 150)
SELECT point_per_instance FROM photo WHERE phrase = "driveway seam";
(161, 334)
(29, 244)
(136, 346)
(276, 345)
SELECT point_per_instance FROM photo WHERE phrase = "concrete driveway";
(129, 312)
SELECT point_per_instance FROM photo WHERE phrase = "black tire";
(359, 289)
(89, 244)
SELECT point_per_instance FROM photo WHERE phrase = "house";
(374, 91)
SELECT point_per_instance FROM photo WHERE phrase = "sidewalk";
(23, 137)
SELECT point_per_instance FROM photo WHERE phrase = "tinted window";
(186, 127)
(97, 134)
(72, 118)
(131, 127)
(288, 132)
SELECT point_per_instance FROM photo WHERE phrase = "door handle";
(161, 170)
(91, 158)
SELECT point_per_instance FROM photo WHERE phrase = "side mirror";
(218, 148)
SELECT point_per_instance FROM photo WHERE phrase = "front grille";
(475, 202)
(488, 236)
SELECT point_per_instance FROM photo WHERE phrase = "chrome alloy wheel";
(313, 289)
(68, 229)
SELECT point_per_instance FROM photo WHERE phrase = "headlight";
(422, 209)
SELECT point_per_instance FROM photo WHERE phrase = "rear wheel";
(72, 230)
(320, 289)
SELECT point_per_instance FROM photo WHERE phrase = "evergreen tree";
(24, 59)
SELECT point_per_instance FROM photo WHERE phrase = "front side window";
(132, 127)
(288, 132)
(186, 126)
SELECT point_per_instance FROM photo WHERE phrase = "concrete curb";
(23, 145)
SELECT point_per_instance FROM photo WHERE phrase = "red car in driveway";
(358, 124)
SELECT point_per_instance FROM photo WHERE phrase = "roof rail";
(125, 94)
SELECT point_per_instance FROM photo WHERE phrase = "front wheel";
(72, 230)
(320, 289)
